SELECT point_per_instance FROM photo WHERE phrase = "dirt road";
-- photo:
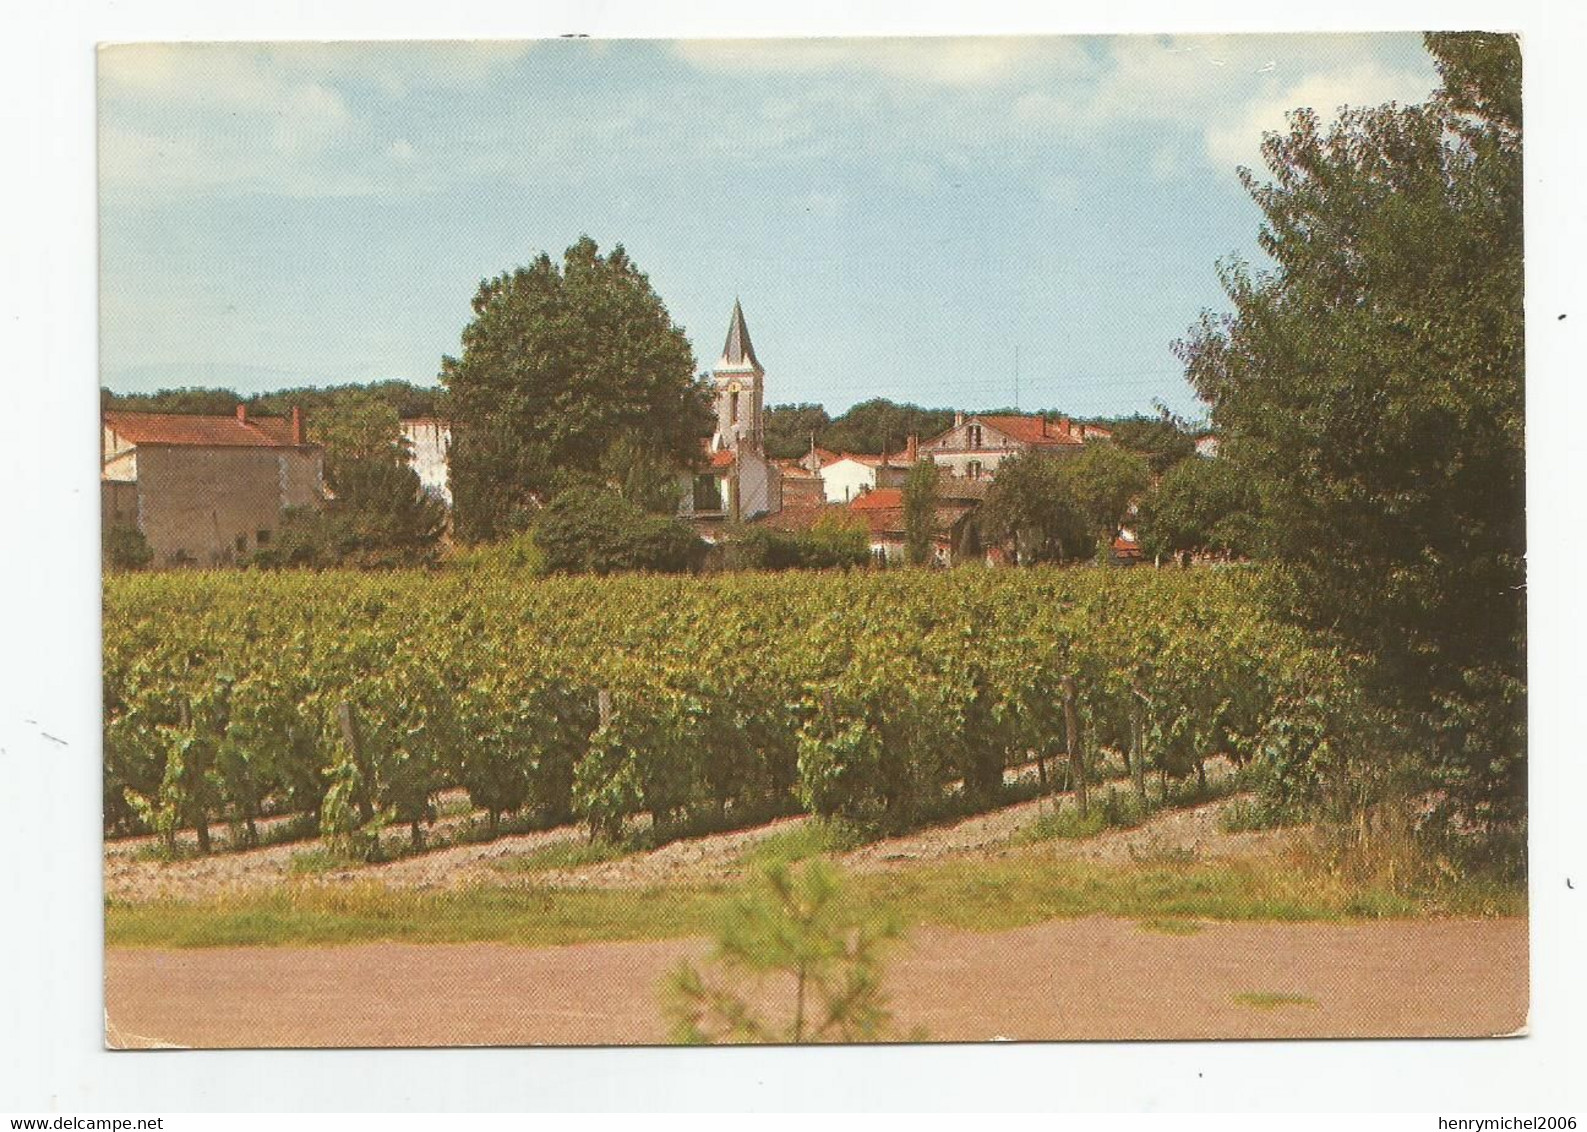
(1076, 979)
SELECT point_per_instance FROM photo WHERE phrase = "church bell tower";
(740, 391)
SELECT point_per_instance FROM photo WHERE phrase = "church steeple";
(740, 389)
(738, 351)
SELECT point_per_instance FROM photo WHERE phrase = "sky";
(954, 222)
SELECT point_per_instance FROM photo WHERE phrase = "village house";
(883, 511)
(428, 441)
(847, 476)
(976, 445)
(206, 490)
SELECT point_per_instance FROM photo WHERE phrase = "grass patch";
(812, 838)
(1247, 815)
(309, 915)
(1020, 889)
(569, 854)
(1272, 1000)
(1161, 926)
(313, 862)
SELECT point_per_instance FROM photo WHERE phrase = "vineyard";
(353, 700)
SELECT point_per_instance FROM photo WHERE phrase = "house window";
(973, 469)
(242, 542)
(975, 436)
(707, 493)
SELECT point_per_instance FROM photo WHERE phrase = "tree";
(920, 513)
(558, 366)
(1370, 389)
(1159, 439)
(1033, 505)
(379, 514)
(800, 924)
(881, 425)
(789, 428)
(1200, 505)
(1102, 479)
(589, 530)
(125, 548)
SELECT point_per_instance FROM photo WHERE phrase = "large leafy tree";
(1032, 505)
(1370, 387)
(1199, 505)
(559, 365)
(1103, 480)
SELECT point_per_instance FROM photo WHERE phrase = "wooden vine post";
(1077, 759)
(1138, 747)
(355, 746)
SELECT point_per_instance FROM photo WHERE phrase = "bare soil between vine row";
(1184, 834)
(1089, 979)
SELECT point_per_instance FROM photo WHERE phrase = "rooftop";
(191, 430)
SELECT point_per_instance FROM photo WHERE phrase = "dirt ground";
(717, 858)
(1069, 979)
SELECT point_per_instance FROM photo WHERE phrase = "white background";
(51, 1056)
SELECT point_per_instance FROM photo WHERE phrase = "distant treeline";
(408, 400)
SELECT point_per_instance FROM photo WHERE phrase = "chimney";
(1068, 427)
(958, 418)
(242, 414)
(297, 425)
(913, 448)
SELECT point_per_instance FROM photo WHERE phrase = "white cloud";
(1237, 140)
(943, 61)
(310, 119)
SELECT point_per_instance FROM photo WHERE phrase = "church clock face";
(734, 387)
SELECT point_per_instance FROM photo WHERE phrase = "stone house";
(206, 490)
(976, 445)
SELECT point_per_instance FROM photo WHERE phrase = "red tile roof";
(196, 431)
(878, 499)
(894, 459)
(1030, 430)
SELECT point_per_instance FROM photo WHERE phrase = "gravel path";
(1094, 978)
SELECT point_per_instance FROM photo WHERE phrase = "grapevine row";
(354, 699)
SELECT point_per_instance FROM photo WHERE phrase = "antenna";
(1016, 377)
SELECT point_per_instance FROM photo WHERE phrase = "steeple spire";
(738, 352)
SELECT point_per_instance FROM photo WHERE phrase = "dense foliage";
(1061, 507)
(1200, 506)
(836, 540)
(230, 696)
(123, 547)
(378, 514)
(594, 531)
(789, 429)
(880, 425)
(920, 512)
(405, 399)
(559, 365)
(1369, 388)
